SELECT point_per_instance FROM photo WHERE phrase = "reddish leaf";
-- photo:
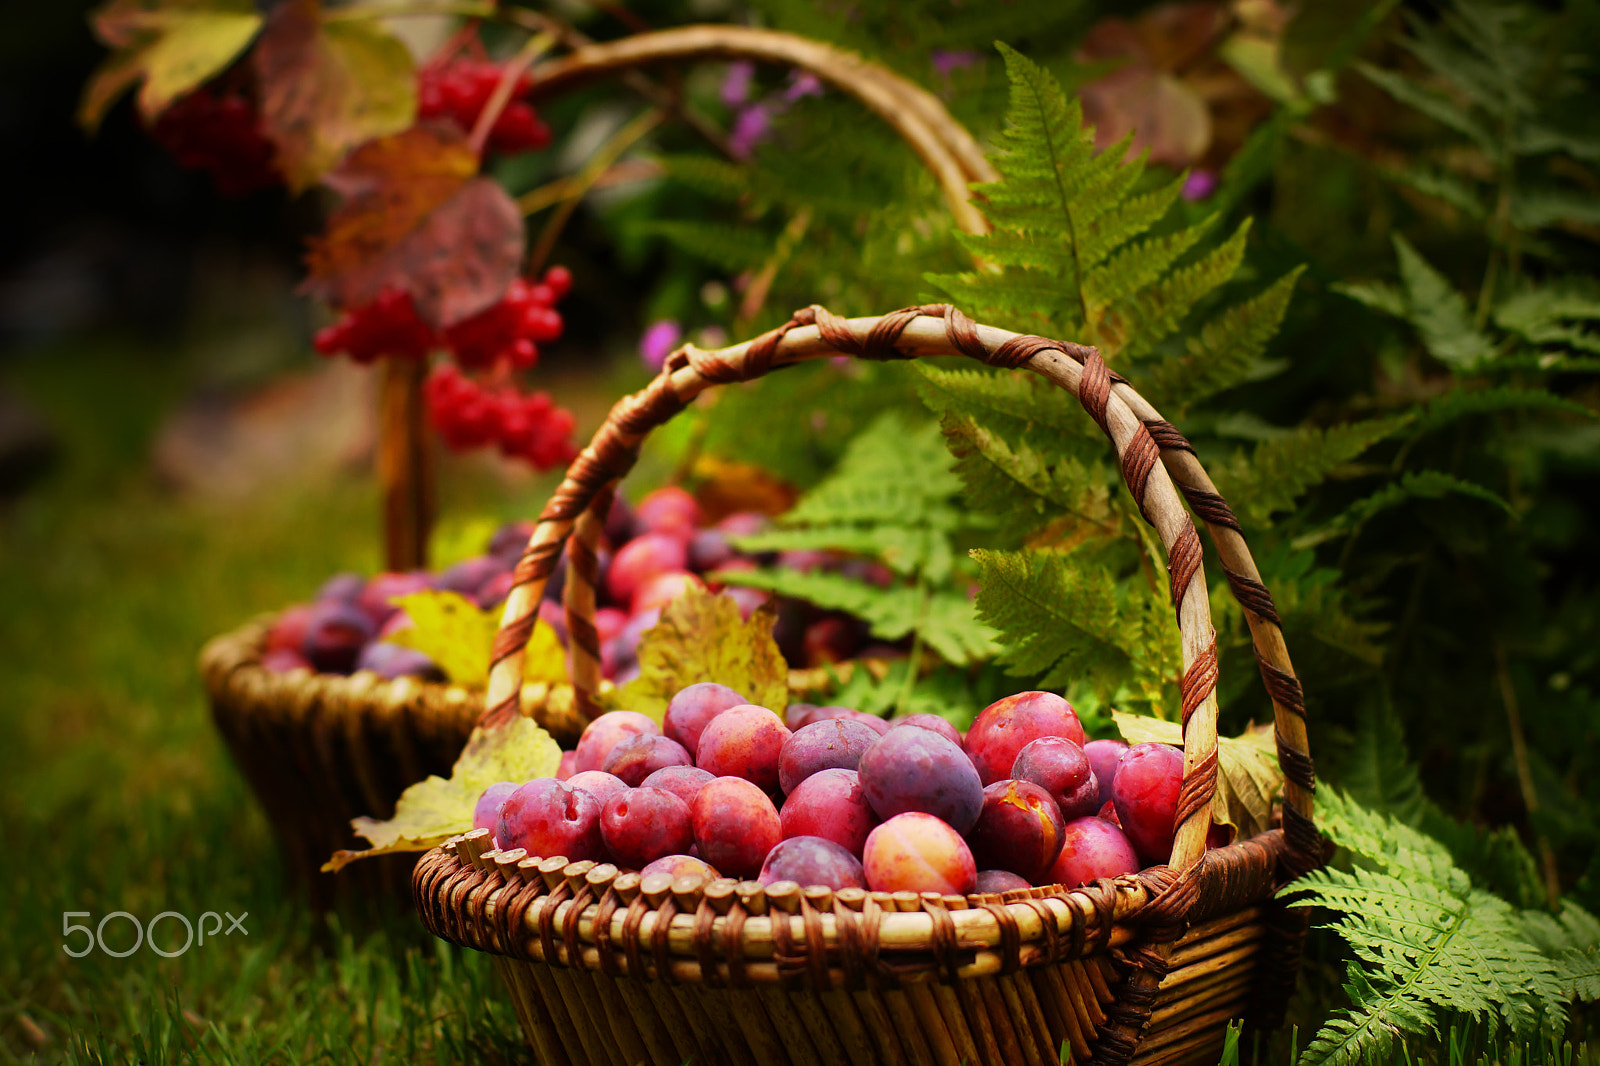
(327, 87)
(418, 218)
(1146, 96)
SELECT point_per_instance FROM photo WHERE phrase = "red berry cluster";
(221, 135)
(524, 425)
(387, 326)
(459, 89)
(510, 329)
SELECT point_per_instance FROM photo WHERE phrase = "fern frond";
(993, 471)
(1435, 105)
(733, 248)
(1464, 403)
(904, 549)
(944, 619)
(1550, 314)
(1439, 312)
(1019, 398)
(1226, 349)
(892, 473)
(1425, 941)
(1281, 470)
(1162, 307)
(1064, 623)
(1416, 485)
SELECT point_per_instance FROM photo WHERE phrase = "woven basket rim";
(466, 893)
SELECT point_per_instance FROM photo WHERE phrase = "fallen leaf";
(417, 217)
(433, 810)
(1248, 777)
(702, 637)
(459, 637)
(326, 87)
(172, 47)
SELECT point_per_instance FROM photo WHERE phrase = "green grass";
(116, 794)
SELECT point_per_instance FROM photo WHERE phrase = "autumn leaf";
(459, 637)
(702, 637)
(433, 810)
(172, 47)
(1248, 777)
(328, 86)
(417, 217)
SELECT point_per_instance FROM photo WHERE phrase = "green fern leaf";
(944, 619)
(733, 248)
(1380, 296)
(1550, 314)
(1464, 403)
(993, 470)
(1281, 470)
(1066, 621)
(1425, 940)
(1162, 307)
(1417, 485)
(904, 549)
(1227, 348)
(1021, 400)
(1435, 105)
(1439, 312)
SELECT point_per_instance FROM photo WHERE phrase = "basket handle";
(1141, 438)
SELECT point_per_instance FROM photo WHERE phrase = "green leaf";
(1248, 777)
(733, 248)
(1441, 185)
(1281, 470)
(1228, 346)
(172, 47)
(459, 637)
(1021, 398)
(904, 549)
(1464, 403)
(1439, 312)
(994, 470)
(1435, 105)
(1425, 941)
(1417, 485)
(433, 810)
(701, 637)
(944, 618)
(1065, 620)
(1380, 296)
(1550, 314)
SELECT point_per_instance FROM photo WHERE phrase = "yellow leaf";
(1248, 777)
(701, 637)
(431, 811)
(459, 637)
(172, 47)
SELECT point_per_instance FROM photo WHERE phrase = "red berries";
(458, 91)
(221, 135)
(524, 425)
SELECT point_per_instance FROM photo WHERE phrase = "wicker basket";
(319, 750)
(608, 969)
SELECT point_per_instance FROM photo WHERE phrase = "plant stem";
(405, 469)
(1519, 754)
(532, 49)
(903, 701)
(755, 294)
(585, 179)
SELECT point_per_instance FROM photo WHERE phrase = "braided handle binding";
(1135, 428)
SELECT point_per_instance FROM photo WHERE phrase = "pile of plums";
(647, 556)
(831, 796)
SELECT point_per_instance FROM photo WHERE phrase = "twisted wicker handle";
(1141, 438)
(942, 143)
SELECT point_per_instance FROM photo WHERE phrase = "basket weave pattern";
(608, 968)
